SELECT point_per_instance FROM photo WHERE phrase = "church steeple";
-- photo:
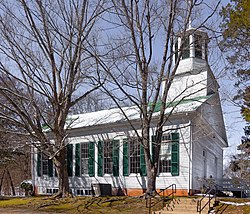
(193, 77)
(192, 48)
(192, 45)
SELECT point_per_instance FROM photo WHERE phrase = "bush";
(27, 186)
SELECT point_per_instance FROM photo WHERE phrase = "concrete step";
(184, 205)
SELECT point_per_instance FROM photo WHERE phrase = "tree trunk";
(151, 167)
(1, 182)
(151, 183)
(11, 183)
(152, 160)
(61, 167)
(27, 166)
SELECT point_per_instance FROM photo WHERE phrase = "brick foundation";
(139, 192)
(36, 193)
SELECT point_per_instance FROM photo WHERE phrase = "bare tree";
(45, 69)
(95, 101)
(141, 57)
(14, 160)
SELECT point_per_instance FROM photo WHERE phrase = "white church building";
(102, 148)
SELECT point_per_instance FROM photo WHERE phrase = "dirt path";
(17, 211)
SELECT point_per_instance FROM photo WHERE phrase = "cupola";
(193, 50)
(193, 77)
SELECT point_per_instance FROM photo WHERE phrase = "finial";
(189, 2)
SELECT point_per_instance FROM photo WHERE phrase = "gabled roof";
(116, 115)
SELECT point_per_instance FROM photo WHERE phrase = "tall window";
(84, 158)
(45, 165)
(134, 155)
(165, 154)
(169, 153)
(198, 46)
(107, 157)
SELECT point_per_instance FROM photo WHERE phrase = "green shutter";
(115, 157)
(143, 169)
(125, 158)
(50, 167)
(175, 154)
(39, 163)
(77, 159)
(100, 159)
(70, 159)
(91, 161)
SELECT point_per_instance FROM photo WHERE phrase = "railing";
(223, 185)
(210, 198)
(162, 197)
(234, 184)
(222, 208)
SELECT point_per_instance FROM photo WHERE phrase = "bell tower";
(192, 49)
(193, 77)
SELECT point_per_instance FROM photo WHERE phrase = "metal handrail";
(149, 203)
(199, 207)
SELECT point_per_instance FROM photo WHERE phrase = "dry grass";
(231, 209)
(95, 205)
(89, 205)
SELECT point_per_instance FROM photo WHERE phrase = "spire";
(189, 3)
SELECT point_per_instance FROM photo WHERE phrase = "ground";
(89, 205)
(17, 211)
(94, 205)
(236, 208)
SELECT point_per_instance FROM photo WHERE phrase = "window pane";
(165, 154)
(84, 158)
(45, 168)
(134, 151)
(108, 165)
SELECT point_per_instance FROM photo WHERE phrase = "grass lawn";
(233, 209)
(95, 205)
(111, 205)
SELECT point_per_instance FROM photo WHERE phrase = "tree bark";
(61, 167)
(151, 187)
(151, 167)
(1, 182)
(11, 182)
